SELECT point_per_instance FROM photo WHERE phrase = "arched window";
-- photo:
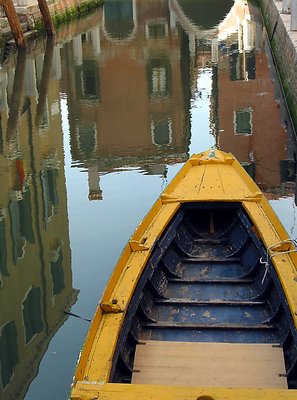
(118, 17)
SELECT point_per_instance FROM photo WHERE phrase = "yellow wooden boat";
(202, 303)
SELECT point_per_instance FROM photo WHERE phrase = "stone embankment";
(283, 38)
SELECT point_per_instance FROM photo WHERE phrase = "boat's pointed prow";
(212, 155)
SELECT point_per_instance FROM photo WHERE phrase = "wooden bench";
(209, 364)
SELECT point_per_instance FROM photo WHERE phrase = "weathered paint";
(204, 177)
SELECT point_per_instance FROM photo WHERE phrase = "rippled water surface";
(93, 125)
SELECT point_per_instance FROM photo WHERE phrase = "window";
(3, 250)
(9, 356)
(57, 272)
(242, 65)
(87, 81)
(288, 170)
(159, 76)
(118, 18)
(162, 132)
(32, 313)
(243, 122)
(250, 168)
(156, 30)
(48, 177)
(251, 65)
(159, 80)
(87, 139)
(21, 222)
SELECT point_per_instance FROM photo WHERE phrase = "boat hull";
(205, 265)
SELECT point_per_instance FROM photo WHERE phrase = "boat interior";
(208, 310)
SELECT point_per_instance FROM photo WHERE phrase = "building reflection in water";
(128, 92)
(130, 76)
(249, 114)
(35, 260)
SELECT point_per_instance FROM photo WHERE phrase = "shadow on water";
(134, 88)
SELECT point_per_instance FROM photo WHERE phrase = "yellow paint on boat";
(119, 391)
(209, 176)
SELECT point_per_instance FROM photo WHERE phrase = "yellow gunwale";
(208, 176)
(119, 391)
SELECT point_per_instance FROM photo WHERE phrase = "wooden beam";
(14, 23)
(47, 19)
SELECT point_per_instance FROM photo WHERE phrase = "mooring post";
(47, 19)
(14, 23)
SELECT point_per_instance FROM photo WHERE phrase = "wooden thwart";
(210, 364)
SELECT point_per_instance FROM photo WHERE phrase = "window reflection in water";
(9, 356)
(159, 77)
(32, 313)
(87, 80)
(3, 250)
(243, 122)
(162, 132)
(119, 18)
(57, 272)
(87, 139)
(48, 178)
(21, 222)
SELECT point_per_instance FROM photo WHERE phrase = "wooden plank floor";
(209, 364)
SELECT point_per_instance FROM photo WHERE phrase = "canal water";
(93, 125)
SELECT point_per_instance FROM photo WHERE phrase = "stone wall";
(284, 48)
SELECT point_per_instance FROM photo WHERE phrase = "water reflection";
(127, 103)
(198, 13)
(130, 78)
(130, 90)
(248, 117)
(35, 260)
